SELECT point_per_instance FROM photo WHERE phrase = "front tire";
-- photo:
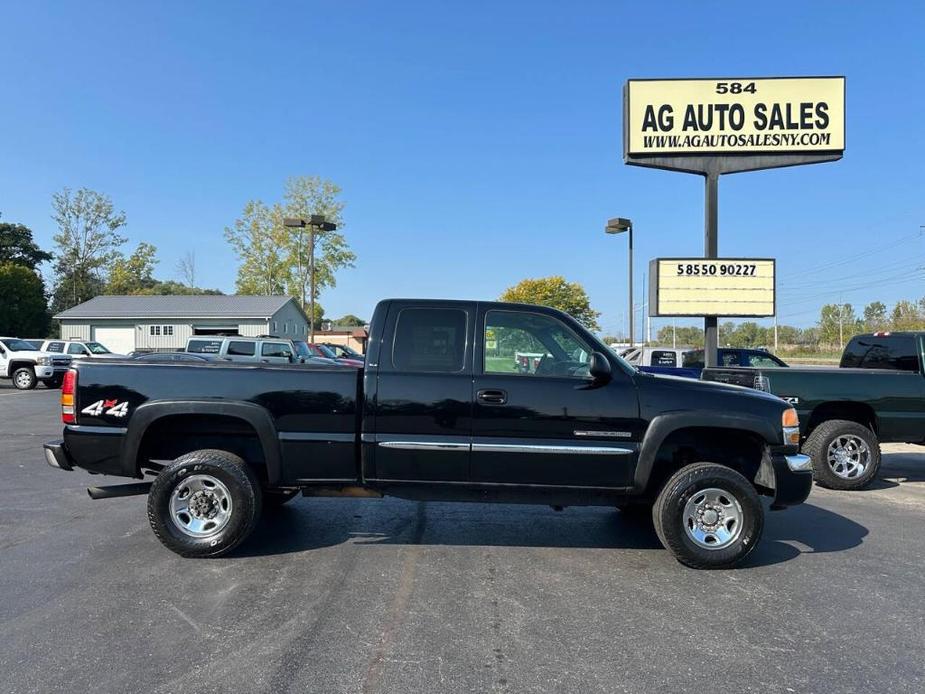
(24, 378)
(846, 455)
(204, 504)
(708, 516)
(54, 382)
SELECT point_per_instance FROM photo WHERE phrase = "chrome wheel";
(848, 456)
(713, 518)
(23, 380)
(200, 506)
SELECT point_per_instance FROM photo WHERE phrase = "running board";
(115, 490)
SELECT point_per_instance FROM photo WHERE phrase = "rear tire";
(204, 504)
(845, 454)
(24, 378)
(708, 516)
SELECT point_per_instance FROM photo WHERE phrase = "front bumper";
(792, 476)
(56, 455)
(43, 372)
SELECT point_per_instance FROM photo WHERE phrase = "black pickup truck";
(440, 411)
(876, 395)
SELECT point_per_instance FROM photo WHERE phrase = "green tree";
(176, 288)
(556, 292)
(23, 310)
(875, 317)
(17, 246)
(259, 240)
(87, 243)
(134, 274)
(905, 316)
(837, 323)
(303, 197)
(350, 321)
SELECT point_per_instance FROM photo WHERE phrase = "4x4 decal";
(110, 407)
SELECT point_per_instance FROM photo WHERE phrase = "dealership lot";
(391, 595)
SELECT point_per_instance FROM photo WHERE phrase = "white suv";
(26, 366)
(78, 349)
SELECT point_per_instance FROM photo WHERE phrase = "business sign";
(735, 115)
(730, 287)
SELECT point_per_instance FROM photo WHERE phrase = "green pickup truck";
(876, 395)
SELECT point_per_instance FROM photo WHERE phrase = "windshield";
(96, 348)
(327, 351)
(345, 352)
(16, 345)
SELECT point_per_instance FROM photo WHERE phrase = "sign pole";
(710, 250)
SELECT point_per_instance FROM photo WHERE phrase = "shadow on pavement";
(307, 525)
(804, 529)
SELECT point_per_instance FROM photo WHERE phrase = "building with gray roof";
(162, 323)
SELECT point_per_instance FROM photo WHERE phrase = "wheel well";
(739, 450)
(171, 436)
(859, 412)
(18, 365)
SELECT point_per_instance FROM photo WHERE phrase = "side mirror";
(599, 368)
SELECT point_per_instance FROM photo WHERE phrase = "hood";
(35, 355)
(726, 391)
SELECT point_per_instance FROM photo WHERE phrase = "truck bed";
(312, 413)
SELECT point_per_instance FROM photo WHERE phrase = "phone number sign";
(728, 287)
(735, 115)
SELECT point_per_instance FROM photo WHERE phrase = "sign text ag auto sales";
(736, 115)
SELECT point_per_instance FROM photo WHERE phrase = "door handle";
(492, 396)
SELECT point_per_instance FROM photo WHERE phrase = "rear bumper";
(56, 455)
(793, 476)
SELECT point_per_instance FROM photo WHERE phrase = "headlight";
(44, 361)
(790, 423)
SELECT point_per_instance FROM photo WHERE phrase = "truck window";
(663, 357)
(238, 348)
(532, 344)
(892, 352)
(204, 346)
(762, 361)
(692, 359)
(275, 349)
(430, 339)
(55, 347)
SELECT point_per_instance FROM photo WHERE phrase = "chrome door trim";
(547, 448)
(425, 445)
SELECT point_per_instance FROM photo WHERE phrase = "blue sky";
(476, 143)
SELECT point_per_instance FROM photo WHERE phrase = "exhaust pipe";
(116, 490)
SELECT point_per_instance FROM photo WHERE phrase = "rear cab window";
(890, 352)
(430, 340)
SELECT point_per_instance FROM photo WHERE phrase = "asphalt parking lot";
(396, 596)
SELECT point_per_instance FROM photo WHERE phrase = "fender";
(255, 415)
(664, 424)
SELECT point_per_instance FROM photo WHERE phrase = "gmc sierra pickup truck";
(439, 411)
(876, 395)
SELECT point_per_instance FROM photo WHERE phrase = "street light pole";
(316, 222)
(618, 225)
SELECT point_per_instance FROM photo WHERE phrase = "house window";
(168, 330)
(275, 326)
(155, 330)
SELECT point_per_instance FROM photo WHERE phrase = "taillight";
(68, 390)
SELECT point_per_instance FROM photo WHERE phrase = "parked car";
(438, 414)
(79, 349)
(344, 351)
(310, 356)
(326, 352)
(876, 396)
(25, 365)
(689, 362)
(253, 350)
